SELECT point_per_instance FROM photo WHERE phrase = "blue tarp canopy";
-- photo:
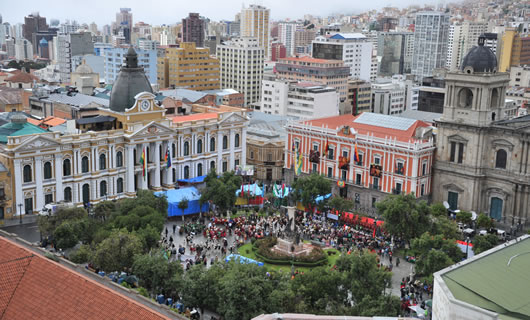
(242, 260)
(175, 196)
(255, 190)
(320, 198)
(193, 180)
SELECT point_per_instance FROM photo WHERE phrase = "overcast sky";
(170, 11)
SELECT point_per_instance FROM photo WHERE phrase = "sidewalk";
(15, 221)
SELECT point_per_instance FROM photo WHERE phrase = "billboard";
(376, 170)
(244, 170)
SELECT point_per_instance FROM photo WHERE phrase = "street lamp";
(20, 212)
(467, 245)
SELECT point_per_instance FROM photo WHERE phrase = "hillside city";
(356, 165)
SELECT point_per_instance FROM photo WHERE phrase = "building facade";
(287, 36)
(359, 97)
(352, 48)
(431, 34)
(462, 38)
(395, 155)
(242, 62)
(396, 50)
(23, 49)
(194, 29)
(255, 23)
(188, 67)
(68, 46)
(115, 57)
(332, 73)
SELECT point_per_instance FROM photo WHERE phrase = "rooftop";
(194, 117)
(496, 280)
(347, 36)
(10, 95)
(308, 59)
(77, 99)
(15, 128)
(22, 77)
(190, 95)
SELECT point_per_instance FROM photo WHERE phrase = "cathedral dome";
(130, 81)
(479, 59)
(84, 68)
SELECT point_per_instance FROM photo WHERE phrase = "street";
(29, 232)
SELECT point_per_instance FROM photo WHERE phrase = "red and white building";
(395, 155)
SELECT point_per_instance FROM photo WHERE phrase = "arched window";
(67, 167)
(47, 170)
(236, 142)
(119, 159)
(199, 170)
(86, 193)
(68, 194)
(102, 162)
(500, 159)
(27, 173)
(186, 172)
(173, 147)
(225, 142)
(212, 144)
(212, 165)
(103, 188)
(119, 185)
(84, 164)
(134, 156)
(199, 146)
(186, 148)
(465, 98)
(494, 98)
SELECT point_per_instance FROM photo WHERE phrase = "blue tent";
(199, 179)
(175, 196)
(255, 190)
(242, 260)
(320, 198)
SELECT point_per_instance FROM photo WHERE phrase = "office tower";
(33, 24)
(515, 50)
(278, 51)
(352, 48)
(69, 46)
(123, 24)
(286, 35)
(188, 67)
(255, 23)
(303, 39)
(461, 39)
(396, 50)
(44, 50)
(23, 49)
(194, 29)
(242, 62)
(430, 42)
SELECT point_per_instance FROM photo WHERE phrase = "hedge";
(292, 262)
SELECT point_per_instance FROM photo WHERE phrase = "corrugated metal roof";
(190, 95)
(77, 99)
(385, 121)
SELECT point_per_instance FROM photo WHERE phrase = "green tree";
(183, 205)
(484, 243)
(221, 190)
(48, 224)
(464, 217)
(81, 255)
(116, 253)
(434, 253)
(438, 210)
(157, 274)
(341, 205)
(319, 290)
(446, 227)
(307, 188)
(483, 221)
(200, 286)
(404, 216)
(104, 210)
(65, 236)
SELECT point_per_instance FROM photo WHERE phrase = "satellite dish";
(473, 215)
(446, 205)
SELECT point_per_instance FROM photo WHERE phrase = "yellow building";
(505, 60)
(188, 67)
(255, 23)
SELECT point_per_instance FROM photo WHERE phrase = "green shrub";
(143, 291)
(51, 257)
(81, 255)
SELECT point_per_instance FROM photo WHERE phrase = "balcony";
(400, 170)
(359, 163)
(375, 186)
(396, 191)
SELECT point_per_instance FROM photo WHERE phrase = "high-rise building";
(303, 39)
(114, 59)
(68, 46)
(194, 29)
(359, 97)
(44, 50)
(461, 39)
(430, 42)
(278, 51)
(33, 24)
(332, 73)
(352, 48)
(23, 49)
(188, 67)
(123, 24)
(396, 50)
(515, 50)
(287, 35)
(242, 62)
(255, 23)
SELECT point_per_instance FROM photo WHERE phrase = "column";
(414, 175)
(206, 143)
(77, 159)
(93, 156)
(111, 157)
(19, 194)
(130, 168)
(74, 163)
(75, 193)
(157, 161)
(38, 183)
(59, 193)
(231, 146)
(243, 144)
(144, 183)
(219, 166)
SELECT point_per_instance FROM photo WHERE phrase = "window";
(345, 153)
(119, 159)
(102, 162)
(199, 146)
(376, 183)
(453, 156)
(269, 157)
(28, 205)
(236, 142)
(68, 194)
(48, 198)
(377, 160)
(314, 169)
(27, 173)
(251, 154)
(199, 169)
(67, 167)
(225, 142)
(330, 172)
(400, 168)
(47, 170)
(500, 159)
(212, 165)
(424, 168)
(344, 174)
(84, 164)
(452, 199)
(358, 179)
(225, 166)
(212, 144)
(173, 147)
(186, 148)
(236, 162)
(186, 172)
(398, 188)
(331, 153)
(422, 190)
(460, 152)
(103, 188)
(360, 162)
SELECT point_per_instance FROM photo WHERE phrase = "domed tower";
(475, 94)
(43, 49)
(130, 81)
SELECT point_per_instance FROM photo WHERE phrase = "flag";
(283, 189)
(144, 164)
(242, 191)
(326, 148)
(298, 162)
(248, 189)
(355, 153)
(168, 158)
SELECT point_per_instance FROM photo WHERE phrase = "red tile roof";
(22, 77)
(35, 287)
(338, 122)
